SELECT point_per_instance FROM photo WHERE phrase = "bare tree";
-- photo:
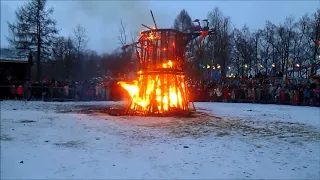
(222, 26)
(256, 61)
(183, 23)
(126, 55)
(80, 38)
(122, 37)
(265, 50)
(245, 44)
(63, 65)
(315, 36)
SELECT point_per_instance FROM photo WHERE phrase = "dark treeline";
(243, 51)
(294, 41)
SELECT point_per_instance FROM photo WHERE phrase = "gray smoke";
(132, 13)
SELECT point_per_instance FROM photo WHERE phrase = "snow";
(301, 114)
(98, 146)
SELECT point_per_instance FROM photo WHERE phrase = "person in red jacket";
(226, 94)
(20, 92)
(283, 94)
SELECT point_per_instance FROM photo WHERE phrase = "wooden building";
(13, 67)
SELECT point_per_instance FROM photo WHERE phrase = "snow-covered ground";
(248, 141)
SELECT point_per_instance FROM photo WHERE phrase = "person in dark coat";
(27, 89)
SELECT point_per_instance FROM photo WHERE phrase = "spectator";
(27, 90)
(233, 95)
(103, 92)
(307, 95)
(66, 90)
(13, 92)
(277, 93)
(226, 94)
(316, 96)
(258, 93)
(77, 91)
(20, 92)
(270, 92)
(218, 92)
(98, 91)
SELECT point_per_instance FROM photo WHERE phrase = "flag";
(204, 33)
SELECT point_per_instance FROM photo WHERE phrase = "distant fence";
(38, 93)
(49, 93)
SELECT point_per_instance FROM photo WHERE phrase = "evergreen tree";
(33, 30)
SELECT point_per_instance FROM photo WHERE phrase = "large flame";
(157, 93)
(160, 87)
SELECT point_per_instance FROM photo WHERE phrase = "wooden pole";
(129, 107)
(154, 21)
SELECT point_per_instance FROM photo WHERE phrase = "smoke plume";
(132, 13)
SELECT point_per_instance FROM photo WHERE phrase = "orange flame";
(157, 90)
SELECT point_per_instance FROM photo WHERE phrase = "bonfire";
(161, 84)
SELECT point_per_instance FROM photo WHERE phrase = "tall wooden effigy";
(161, 79)
(161, 56)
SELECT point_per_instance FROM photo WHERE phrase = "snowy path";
(62, 146)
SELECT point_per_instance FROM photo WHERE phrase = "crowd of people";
(95, 89)
(255, 90)
(274, 90)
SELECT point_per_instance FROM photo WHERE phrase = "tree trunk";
(38, 64)
(38, 46)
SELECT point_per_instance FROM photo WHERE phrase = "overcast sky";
(101, 18)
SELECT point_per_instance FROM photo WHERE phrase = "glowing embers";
(158, 91)
(167, 65)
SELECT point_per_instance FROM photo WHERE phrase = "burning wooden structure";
(161, 84)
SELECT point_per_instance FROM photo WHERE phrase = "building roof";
(10, 55)
(13, 61)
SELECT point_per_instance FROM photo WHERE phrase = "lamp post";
(299, 70)
(246, 69)
(273, 69)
